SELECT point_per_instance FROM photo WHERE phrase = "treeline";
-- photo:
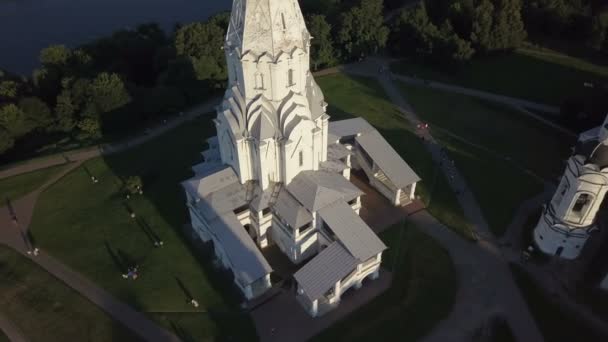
(110, 87)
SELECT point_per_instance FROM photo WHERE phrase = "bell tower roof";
(267, 26)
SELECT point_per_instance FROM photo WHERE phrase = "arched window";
(301, 158)
(290, 78)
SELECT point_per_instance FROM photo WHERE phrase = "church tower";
(569, 219)
(272, 122)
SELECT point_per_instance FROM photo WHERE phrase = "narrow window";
(301, 158)
(290, 78)
(581, 203)
(283, 21)
(259, 81)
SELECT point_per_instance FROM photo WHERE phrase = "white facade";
(269, 177)
(272, 123)
(569, 219)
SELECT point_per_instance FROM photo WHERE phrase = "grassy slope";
(18, 186)
(496, 148)
(87, 226)
(543, 76)
(554, 323)
(349, 97)
(423, 292)
(45, 309)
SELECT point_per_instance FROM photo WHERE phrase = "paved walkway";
(106, 149)
(14, 234)
(486, 284)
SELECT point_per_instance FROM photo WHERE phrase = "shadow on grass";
(163, 164)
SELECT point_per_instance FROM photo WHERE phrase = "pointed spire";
(267, 26)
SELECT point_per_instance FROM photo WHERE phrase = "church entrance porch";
(376, 209)
(283, 318)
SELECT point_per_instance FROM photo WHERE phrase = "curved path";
(13, 233)
(487, 287)
(106, 149)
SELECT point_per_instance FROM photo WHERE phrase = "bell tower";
(272, 123)
(569, 219)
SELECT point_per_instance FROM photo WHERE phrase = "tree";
(55, 55)
(90, 127)
(202, 43)
(483, 25)
(65, 112)
(108, 92)
(599, 30)
(36, 111)
(362, 31)
(6, 140)
(14, 121)
(8, 89)
(322, 49)
(134, 185)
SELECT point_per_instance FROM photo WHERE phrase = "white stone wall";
(569, 218)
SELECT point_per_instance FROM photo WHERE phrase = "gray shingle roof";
(248, 262)
(389, 161)
(290, 210)
(335, 166)
(358, 238)
(317, 189)
(324, 270)
(211, 180)
(350, 127)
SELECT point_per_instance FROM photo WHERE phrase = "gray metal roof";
(290, 210)
(333, 166)
(248, 262)
(317, 189)
(211, 180)
(223, 201)
(349, 127)
(261, 198)
(323, 271)
(387, 159)
(358, 238)
(337, 151)
(207, 168)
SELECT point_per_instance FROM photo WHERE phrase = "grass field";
(503, 154)
(351, 96)
(88, 227)
(18, 186)
(423, 292)
(544, 76)
(554, 323)
(46, 310)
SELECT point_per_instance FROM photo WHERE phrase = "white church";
(278, 171)
(569, 219)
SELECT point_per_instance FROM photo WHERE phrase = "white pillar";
(314, 308)
(397, 196)
(376, 274)
(413, 191)
(248, 292)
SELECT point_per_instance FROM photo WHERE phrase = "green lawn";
(423, 292)
(88, 227)
(351, 96)
(503, 154)
(554, 323)
(18, 186)
(543, 76)
(45, 309)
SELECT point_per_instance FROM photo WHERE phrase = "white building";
(278, 171)
(569, 219)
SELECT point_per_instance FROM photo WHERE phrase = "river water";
(27, 26)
